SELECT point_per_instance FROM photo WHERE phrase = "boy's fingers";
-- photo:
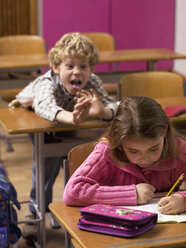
(94, 93)
(83, 93)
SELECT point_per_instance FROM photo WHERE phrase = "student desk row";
(151, 56)
(22, 121)
(162, 235)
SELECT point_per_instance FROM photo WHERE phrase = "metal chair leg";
(67, 240)
(9, 147)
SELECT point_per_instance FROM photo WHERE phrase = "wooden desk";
(162, 235)
(151, 56)
(23, 61)
(22, 121)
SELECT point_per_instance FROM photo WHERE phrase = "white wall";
(180, 35)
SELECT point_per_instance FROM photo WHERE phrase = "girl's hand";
(145, 193)
(174, 204)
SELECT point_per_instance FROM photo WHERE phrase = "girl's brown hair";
(140, 116)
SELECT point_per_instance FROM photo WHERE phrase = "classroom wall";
(134, 24)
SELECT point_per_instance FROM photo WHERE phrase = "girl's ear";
(55, 69)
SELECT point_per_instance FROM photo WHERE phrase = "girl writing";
(140, 154)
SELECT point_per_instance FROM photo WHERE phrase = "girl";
(140, 154)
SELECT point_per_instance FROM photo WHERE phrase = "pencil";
(170, 191)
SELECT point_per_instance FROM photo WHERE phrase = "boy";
(68, 93)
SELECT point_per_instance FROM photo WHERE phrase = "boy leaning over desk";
(68, 93)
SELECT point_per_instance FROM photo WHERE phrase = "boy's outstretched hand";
(174, 204)
(87, 105)
(81, 109)
(96, 108)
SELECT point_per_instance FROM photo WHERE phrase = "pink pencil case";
(117, 221)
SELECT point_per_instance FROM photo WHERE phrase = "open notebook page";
(162, 218)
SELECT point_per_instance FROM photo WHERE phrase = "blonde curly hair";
(73, 45)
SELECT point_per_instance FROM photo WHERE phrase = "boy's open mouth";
(76, 84)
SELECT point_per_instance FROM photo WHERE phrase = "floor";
(18, 165)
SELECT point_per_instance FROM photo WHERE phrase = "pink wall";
(134, 23)
(62, 16)
(143, 24)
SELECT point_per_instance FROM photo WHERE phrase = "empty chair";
(22, 45)
(153, 84)
(105, 42)
(19, 45)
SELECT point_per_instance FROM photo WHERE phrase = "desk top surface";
(29, 60)
(21, 120)
(139, 55)
(162, 235)
(19, 61)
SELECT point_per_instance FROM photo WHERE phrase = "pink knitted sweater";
(101, 180)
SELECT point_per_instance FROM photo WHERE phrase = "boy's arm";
(79, 114)
(64, 116)
(68, 117)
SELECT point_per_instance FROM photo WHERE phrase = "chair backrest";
(103, 41)
(154, 84)
(76, 157)
(22, 44)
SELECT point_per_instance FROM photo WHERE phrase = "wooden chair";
(19, 45)
(105, 42)
(153, 84)
(75, 158)
(22, 45)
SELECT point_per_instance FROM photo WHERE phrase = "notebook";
(162, 218)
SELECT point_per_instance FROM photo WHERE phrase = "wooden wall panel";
(18, 17)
